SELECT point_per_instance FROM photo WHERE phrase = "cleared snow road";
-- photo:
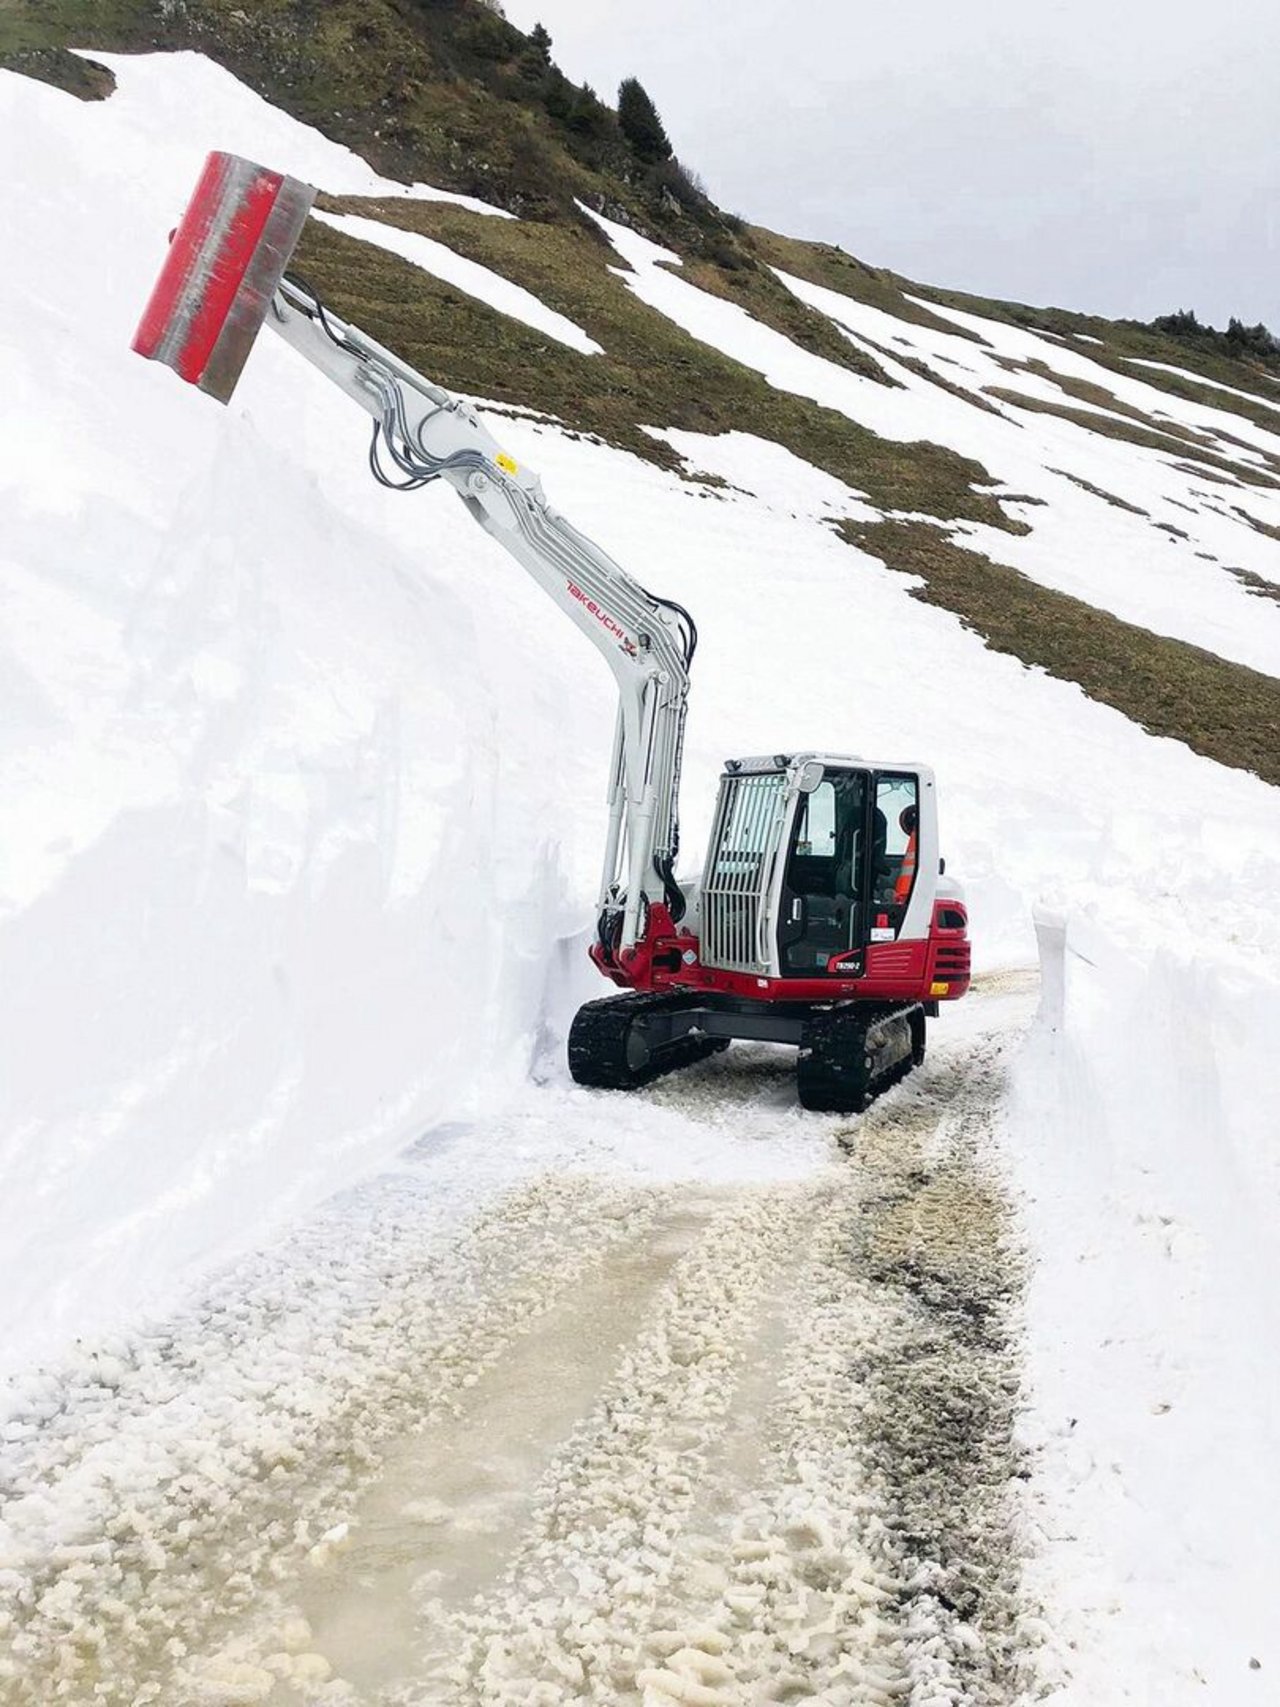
(689, 1443)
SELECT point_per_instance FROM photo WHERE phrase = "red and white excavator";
(820, 918)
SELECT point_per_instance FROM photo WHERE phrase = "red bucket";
(225, 262)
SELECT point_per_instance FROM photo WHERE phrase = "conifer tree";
(640, 124)
(535, 56)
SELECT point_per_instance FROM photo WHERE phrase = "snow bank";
(1144, 1134)
(270, 905)
(167, 103)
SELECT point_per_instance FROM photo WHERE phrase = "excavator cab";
(813, 860)
(822, 911)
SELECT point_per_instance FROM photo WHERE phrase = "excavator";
(822, 917)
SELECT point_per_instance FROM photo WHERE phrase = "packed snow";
(307, 786)
(613, 1389)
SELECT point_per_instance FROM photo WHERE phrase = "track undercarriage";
(849, 1052)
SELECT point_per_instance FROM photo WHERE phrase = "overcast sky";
(1114, 156)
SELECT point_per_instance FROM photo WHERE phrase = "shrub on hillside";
(588, 114)
(1253, 340)
(1183, 324)
(558, 95)
(669, 178)
(1252, 343)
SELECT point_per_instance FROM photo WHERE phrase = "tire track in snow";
(933, 1241)
(451, 1499)
(709, 1447)
(168, 1503)
(801, 1483)
(777, 1596)
(568, 1620)
(871, 1556)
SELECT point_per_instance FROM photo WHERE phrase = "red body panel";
(933, 968)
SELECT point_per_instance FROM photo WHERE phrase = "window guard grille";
(743, 849)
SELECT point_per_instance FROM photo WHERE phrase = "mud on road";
(680, 1444)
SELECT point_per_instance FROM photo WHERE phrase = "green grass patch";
(930, 375)
(63, 70)
(1255, 584)
(1257, 525)
(768, 300)
(1221, 710)
(1087, 391)
(1100, 492)
(828, 265)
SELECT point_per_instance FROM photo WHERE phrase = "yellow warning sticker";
(506, 462)
(938, 989)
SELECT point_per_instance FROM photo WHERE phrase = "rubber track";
(832, 1075)
(598, 1042)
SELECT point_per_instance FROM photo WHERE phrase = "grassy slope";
(441, 90)
(651, 371)
(1138, 429)
(1220, 709)
(1113, 343)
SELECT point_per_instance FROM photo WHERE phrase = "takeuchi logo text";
(602, 617)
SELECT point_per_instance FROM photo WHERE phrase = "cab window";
(895, 840)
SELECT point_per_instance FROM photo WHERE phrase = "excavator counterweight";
(820, 918)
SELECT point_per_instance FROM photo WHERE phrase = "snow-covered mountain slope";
(304, 794)
(1118, 559)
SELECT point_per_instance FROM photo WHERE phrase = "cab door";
(823, 903)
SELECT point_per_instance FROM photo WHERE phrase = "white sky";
(1120, 156)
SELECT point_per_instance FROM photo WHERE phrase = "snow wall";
(1143, 1132)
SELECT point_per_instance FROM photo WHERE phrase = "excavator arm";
(225, 278)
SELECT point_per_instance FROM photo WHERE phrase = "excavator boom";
(225, 277)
